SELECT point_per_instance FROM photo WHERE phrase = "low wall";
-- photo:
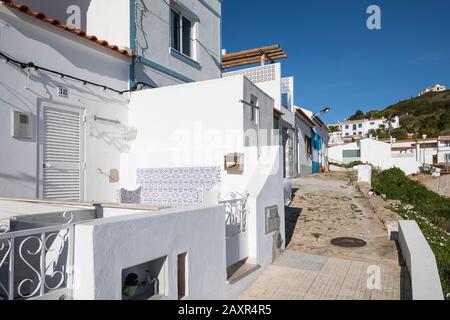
(420, 261)
(105, 247)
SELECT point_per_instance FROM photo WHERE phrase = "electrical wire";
(31, 65)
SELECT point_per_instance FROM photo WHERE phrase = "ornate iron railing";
(37, 262)
(236, 213)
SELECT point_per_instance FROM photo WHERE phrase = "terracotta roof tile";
(81, 33)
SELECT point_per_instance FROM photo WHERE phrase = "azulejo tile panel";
(176, 186)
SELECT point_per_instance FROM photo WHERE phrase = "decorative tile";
(176, 186)
(127, 196)
(259, 74)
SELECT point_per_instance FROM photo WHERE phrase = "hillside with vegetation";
(426, 115)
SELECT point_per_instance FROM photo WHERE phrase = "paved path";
(325, 207)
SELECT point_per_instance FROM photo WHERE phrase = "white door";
(62, 159)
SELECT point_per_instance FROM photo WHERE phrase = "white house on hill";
(435, 88)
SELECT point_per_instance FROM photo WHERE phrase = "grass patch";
(430, 210)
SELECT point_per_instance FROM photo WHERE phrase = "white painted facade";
(105, 247)
(304, 128)
(268, 78)
(211, 119)
(361, 128)
(30, 40)
(374, 152)
(443, 150)
(436, 88)
(184, 125)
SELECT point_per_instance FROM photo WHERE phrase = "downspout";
(133, 9)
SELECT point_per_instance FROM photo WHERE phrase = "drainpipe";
(133, 10)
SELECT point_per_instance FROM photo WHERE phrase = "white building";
(443, 156)
(359, 129)
(187, 34)
(304, 126)
(435, 88)
(194, 165)
(374, 152)
(268, 78)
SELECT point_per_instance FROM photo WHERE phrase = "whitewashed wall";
(196, 125)
(376, 153)
(304, 159)
(103, 248)
(28, 39)
(266, 190)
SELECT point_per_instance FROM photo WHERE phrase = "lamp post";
(326, 110)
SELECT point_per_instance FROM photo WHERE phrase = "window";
(354, 127)
(351, 153)
(308, 144)
(347, 127)
(181, 33)
(347, 134)
(285, 100)
(372, 123)
(360, 125)
(447, 157)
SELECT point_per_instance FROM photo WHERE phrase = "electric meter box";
(22, 125)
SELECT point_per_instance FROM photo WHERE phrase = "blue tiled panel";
(176, 186)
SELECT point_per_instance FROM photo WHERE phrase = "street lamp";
(326, 110)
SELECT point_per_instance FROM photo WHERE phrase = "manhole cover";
(348, 242)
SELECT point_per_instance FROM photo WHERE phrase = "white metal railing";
(235, 213)
(37, 262)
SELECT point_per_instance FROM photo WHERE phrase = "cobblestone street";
(325, 207)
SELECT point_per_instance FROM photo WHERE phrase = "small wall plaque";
(22, 125)
(272, 219)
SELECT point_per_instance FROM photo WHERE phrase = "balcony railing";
(36, 263)
(235, 214)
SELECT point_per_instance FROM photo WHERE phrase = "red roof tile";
(81, 33)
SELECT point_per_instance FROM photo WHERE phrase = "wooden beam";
(252, 55)
(252, 61)
(251, 51)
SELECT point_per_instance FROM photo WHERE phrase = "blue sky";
(336, 60)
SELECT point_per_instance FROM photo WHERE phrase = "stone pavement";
(298, 276)
(325, 207)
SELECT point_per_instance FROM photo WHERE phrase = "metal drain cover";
(348, 242)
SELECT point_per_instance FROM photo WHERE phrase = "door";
(62, 160)
(435, 159)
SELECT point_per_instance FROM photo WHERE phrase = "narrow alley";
(326, 207)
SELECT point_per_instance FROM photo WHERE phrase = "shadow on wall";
(66, 11)
(73, 55)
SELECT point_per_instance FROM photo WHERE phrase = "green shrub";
(430, 210)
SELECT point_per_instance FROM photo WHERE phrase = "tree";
(359, 115)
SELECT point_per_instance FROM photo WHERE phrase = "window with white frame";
(182, 33)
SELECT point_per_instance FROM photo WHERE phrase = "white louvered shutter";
(62, 154)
